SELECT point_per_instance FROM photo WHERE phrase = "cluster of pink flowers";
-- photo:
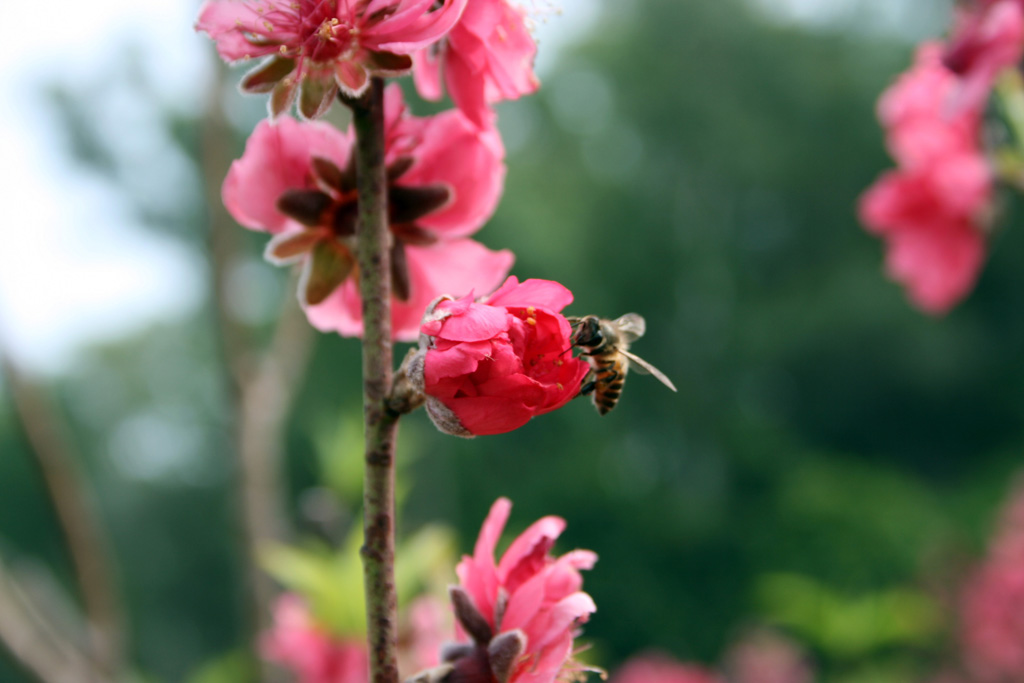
(932, 209)
(516, 619)
(297, 180)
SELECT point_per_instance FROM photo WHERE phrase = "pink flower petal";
(455, 267)
(483, 415)
(227, 23)
(426, 72)
(468, 160)
(462, 359)
(541, 533)
(277, 158)
(532, 292)
(398, 34)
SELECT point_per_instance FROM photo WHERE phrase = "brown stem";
(34, 642)
(378, 549)
(83, 533)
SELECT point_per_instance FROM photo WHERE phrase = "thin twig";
(36, 644)
(265, 401)
(263, 385)
(84, 535)
(378, 550)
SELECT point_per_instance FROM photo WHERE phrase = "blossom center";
(329, 209)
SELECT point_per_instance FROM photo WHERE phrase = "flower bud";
(490, 366)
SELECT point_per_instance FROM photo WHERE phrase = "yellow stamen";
(531, 321)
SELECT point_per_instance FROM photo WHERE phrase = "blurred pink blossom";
(315, 655)
(992, 604)
(767, 657)
(987, 38)
(319, 46)
(656, 667)
(931, 209)
(493, 365)
(306, 649)
(521, 612)
(487, 57)
(422, 633)
(297, 181)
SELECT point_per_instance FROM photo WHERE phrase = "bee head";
(587, 332)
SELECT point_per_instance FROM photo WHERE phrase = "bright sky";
(76, 268)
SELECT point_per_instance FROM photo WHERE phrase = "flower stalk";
(381, 423)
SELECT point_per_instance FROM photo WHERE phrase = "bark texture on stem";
(73, 502)
(373, 248)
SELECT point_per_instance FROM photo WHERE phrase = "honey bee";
(605, 343)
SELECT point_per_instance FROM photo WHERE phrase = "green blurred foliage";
(848, 627)
(694, 163)
(331, 581)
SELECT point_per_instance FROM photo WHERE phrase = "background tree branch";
(72, 500)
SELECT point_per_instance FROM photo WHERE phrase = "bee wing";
(645, 368)
(631, 327)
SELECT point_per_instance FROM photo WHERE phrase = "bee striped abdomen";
(609, 377)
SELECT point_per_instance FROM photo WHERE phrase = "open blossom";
(931, 209)
(490, 366)
(520, 612)
(309, 651)
(297, 181)
(655, 667)
(315, 47)
(487, 57)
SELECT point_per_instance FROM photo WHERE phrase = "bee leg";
(589, 384)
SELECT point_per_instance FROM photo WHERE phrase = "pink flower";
(297, 182)
(987, 39)
(992, 604)
(937, 254)
(421, 634)
(490, 366)
(931, 210)
(655, 667)
(521, 612)
(313, 655)
(992, 628)
(767, 657)
(487, 57)
(319, 46)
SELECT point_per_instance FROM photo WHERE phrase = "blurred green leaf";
(234, 667)
(849, 627)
